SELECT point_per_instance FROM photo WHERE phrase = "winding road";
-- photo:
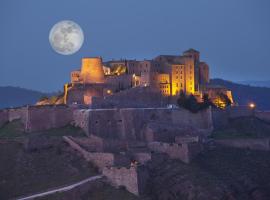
(63, 189)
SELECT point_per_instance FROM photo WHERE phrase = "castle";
(165, 74)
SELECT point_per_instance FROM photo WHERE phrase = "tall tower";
(92, 70)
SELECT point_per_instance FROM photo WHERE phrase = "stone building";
(166, 74)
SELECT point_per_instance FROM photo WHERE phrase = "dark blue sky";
(233, 36)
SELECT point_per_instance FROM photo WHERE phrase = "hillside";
(244, 94)
(16, 96)
(256, 83)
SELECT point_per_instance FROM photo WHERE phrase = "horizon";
(232, 37)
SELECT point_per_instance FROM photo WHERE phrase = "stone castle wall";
(80, 119)
(255, 144)
(134, 179)
(100, 160)
(48, 117)
(19, 113)
(39, 118)
(184, 152)
(130, 123)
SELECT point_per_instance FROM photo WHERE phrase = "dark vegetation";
(221, 173)
(190, 102)
(243, 127)
(15, 130)
(28, 172)
(34, 162)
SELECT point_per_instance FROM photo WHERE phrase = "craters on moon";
(66, 37)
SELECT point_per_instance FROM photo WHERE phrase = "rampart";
(184, 152)
(81, 119)
(47, 117)
(38, 118)
(254, 144)
(221, 117)
(129, 123)
(100, 160)
(134, 179)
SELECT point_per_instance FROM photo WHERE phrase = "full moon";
(66, 37)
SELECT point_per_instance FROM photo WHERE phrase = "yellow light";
(252, 105)
(109, 91)
(133, 76)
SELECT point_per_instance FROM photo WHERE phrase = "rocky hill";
(16, 96)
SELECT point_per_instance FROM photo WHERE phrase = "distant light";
(252, 105)
(145, 85)
(109, 91)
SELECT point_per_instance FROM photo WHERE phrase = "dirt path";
(63, 189)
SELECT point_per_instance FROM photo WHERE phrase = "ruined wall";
(142, 157)
(134, 179)
(255, 144)
(129, 123)
(18, 113)
(3, 117)
(47, 117)
(81, 117)
(184, 152)
(100, 160)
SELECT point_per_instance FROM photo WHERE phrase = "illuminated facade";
(167, 74)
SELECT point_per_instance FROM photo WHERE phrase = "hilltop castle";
(165, 74)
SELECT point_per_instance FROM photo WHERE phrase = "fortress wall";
(186, 139)
(81, 119)
(255, 144)
(265, 116)
(3, 117)
(18, 113)
(142, 158)
(100, 160)
(129, 123)
(91, 143)
(134, 179)
(184, 152)
(47, 117)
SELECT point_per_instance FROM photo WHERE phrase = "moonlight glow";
(66, 37)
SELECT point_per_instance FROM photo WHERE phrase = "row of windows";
(164, 86)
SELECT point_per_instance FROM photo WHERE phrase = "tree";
(181, 101)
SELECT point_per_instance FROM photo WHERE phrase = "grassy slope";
(15, 130)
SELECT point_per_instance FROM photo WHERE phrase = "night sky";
(233, 36)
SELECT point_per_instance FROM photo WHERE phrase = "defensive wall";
(99, 159)
(254, 144)
(138, 97)
(184, 152)
(166, 132)
(134, 179)
(129, 123)
(38, 118)
(221, 117)
(95, 143)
